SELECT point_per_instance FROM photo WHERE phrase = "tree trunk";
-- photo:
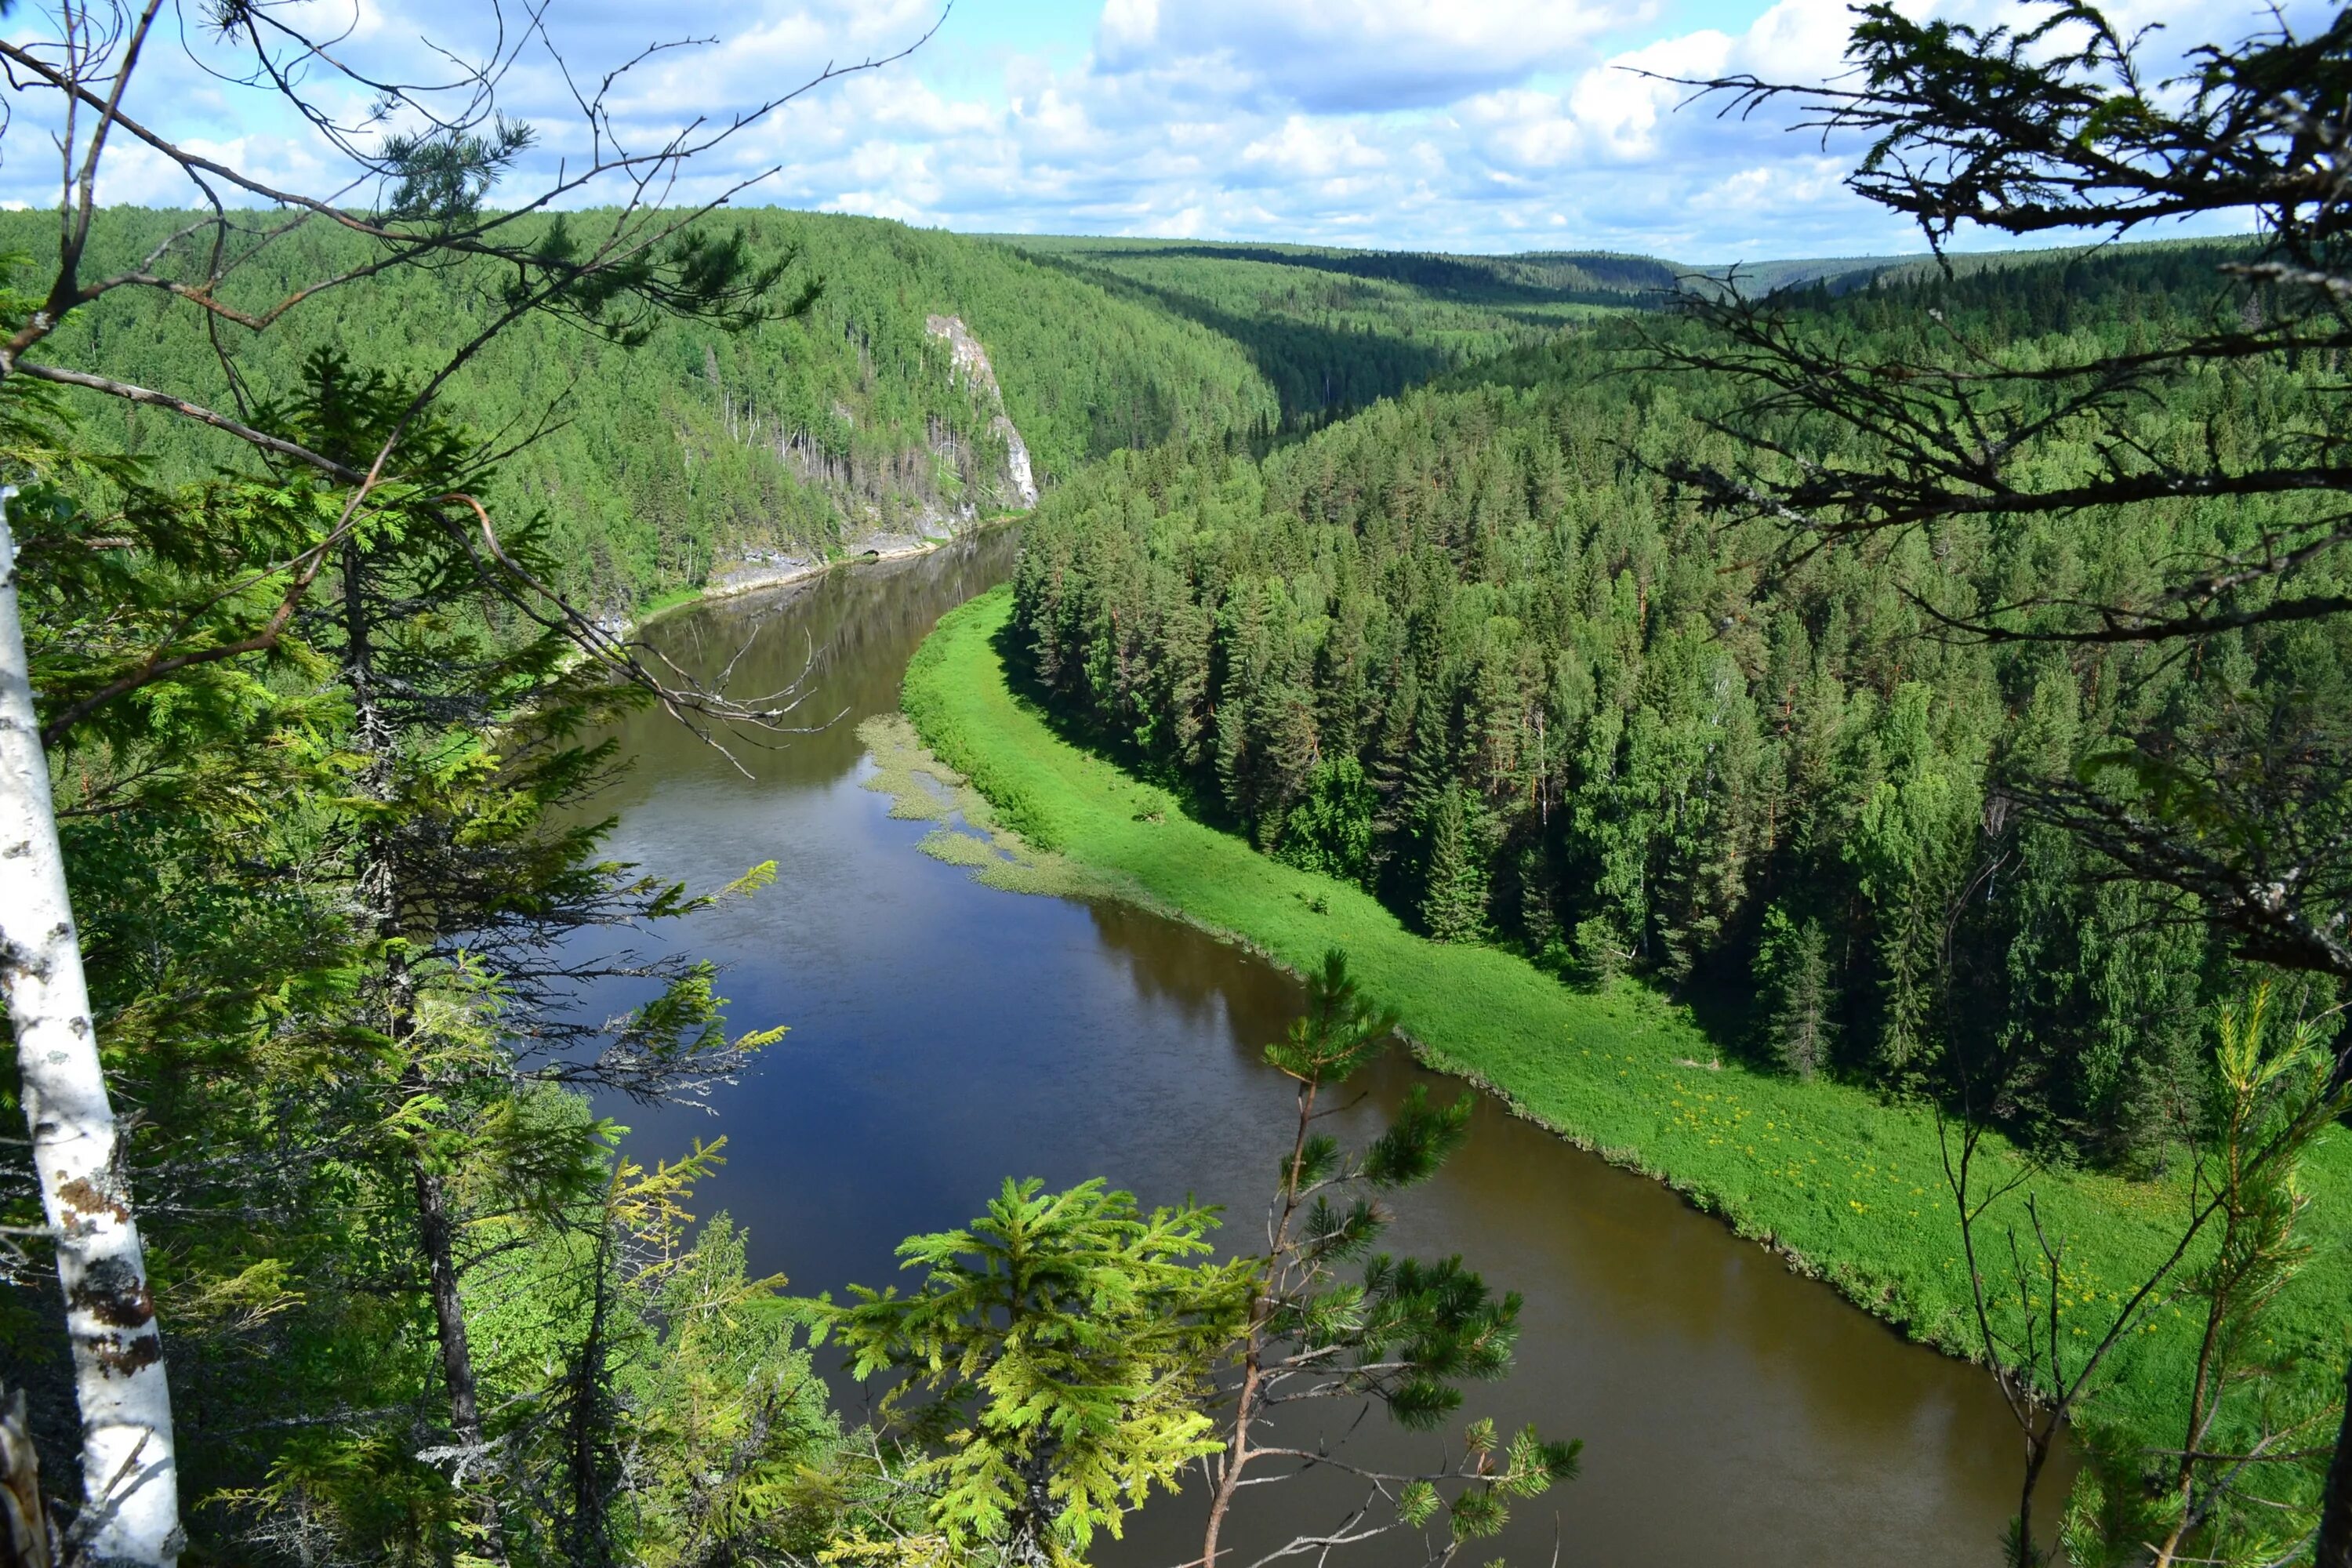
(1029, 1526)
(587, 1537)
(2335, 1513)
(130, 1477)
(1237, 1456)
(439, 1240)
(2037, 1454)
(379, 893)
(1245, 1398)
(24, 1518)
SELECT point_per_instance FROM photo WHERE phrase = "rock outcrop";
(971, 365)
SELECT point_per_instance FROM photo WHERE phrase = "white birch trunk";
(131, 1510)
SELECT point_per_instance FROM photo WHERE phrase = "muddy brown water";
(945, 1034)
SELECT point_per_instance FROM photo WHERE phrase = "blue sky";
(983, 36)
(1467, 125)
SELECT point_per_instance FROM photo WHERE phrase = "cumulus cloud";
(1418, 123)
(1356, 56)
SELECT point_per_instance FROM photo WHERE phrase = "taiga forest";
(690, 878)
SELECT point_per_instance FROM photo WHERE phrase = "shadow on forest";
(1317, 373)
(1721, 1004)
(1538, 278)
(1320, 372)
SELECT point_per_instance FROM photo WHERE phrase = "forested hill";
(675, 462)
(1338, 330)
(1468, 649)
(704, 455)
(1335, 330)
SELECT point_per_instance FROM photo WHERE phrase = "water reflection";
(945, 1034)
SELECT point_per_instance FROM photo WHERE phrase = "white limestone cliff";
(971, 365)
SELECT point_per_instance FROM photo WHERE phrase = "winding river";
(945, 1034)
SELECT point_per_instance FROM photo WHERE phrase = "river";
(945, 1034)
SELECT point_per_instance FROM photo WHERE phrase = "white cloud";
(1802, 40)
(1621, 103)
(1422, 123)
(1522, 131)
(1312, 149)
(1357, 55)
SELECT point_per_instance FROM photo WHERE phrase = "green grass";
(669, 599)
(1847, 1187)
(923, 789)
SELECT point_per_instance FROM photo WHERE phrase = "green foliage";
(1339, 1034)
(1793, 982)
(670, 451)
(727, 1437)
(325, 878)
(2244, 1481)
(1834, 1172)
(1588, 727)
(1417, 1141)
(1331, 830)
(1062, 1348)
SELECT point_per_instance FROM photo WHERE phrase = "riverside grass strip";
(1848, 1187)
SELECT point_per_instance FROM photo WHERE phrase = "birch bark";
(130, 1512)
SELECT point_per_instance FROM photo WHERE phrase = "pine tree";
(1063, 1346)
(1405, 1338)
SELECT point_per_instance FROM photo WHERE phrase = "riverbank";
(784, 571)
(1847, 1187)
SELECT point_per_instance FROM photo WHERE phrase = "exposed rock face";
(762, 569)
(971, 365)
(887, 503)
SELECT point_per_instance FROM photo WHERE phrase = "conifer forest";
(688, 880)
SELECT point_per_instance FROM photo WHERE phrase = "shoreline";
(802, 572)
(1843, 1186)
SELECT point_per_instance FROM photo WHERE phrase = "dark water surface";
(945, 1036)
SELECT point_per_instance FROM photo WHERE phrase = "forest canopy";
(1935, 676)
(660, 465)
(1472, 649)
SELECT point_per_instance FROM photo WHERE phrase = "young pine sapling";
(1405, 1337)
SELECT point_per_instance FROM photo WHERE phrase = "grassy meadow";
(1847, 1186)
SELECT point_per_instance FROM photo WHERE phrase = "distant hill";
(1839, 275)
(700, 452)
(1334, 329)
(1526, 278)
(1839, 272)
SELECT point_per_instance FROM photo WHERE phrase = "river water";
(945, 1034)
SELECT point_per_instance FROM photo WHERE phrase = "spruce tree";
(1794, 988)
(185, 639)
(1454, 900)
(2227, 802)
(378, 989)
(1063, 1345)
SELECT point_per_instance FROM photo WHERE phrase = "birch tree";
(129, 1476)
(423, 158)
